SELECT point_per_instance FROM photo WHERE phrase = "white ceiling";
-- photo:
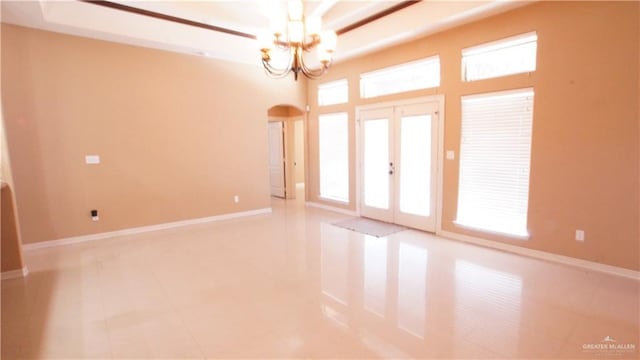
(246, 16)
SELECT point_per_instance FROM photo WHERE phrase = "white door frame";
(439, 99)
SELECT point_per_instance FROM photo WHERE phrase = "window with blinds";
(334, 92)
(495, 155)
(333, 139)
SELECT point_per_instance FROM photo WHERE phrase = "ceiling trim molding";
(179, 20)
(377, 16)
(175, 19)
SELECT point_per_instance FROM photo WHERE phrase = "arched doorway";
(287, 160)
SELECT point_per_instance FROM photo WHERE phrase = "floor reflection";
(412, 287)
(375, 274)
(480, 288)
(334, 262)
(378, 289)
(487, 306)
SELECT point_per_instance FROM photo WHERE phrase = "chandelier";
(296, 37)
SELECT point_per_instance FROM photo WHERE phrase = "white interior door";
(399, 164)
(276, 158)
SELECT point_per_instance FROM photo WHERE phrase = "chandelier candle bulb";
(265, 41)
(278, 23)
(296, 31)
(329, 40)
(295, 10)
(314, 24)
(323, 55)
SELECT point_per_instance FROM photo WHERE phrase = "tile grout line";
(174, 309)
(99, 268)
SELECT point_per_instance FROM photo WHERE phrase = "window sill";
(333, 200)
(520, 236)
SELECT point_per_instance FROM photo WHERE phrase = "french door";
(399, 164)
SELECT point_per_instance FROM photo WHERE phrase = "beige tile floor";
(291, 285)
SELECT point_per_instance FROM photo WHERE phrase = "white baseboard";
(332, 208)
(537, 254)
(15, 274)
(142, 229)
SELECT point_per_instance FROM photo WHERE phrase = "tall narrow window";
(495, 153)
(499, 58)
(421, 74)
(335, 92)
(333, 135)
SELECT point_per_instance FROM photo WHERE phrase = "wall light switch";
(451, 155)
(92, 159)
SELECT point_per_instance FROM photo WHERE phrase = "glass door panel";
(377, 155)
(415, 161)
(376, 163)
(416, 156)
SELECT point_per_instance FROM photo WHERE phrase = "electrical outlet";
(92, 159)
(94, 215)
(236, 199)
(579, 235)
(451, 155)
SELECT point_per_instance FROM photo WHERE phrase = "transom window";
(415, 75)
(335, 92)
(499, 58)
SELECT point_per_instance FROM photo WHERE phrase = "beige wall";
(585, 163)
(178, 135)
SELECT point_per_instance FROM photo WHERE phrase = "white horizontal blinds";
(335, 92)
(495, 155)
(499, 58)
(333, 133)
(421, 74)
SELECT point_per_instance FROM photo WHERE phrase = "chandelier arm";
(282, 45)
(273, 72)
(308, 46)
(313, 73)
(292, 59)
(277, 73)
